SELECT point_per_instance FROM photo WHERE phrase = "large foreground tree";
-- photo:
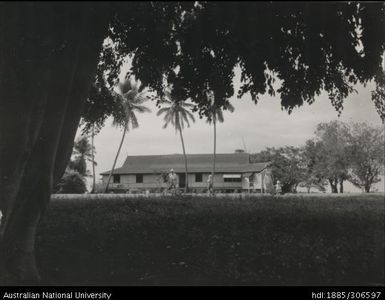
(48, 56)
(50, 52)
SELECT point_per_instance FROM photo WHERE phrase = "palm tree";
(177, 113)
(83, 153)
(93, 159)
(216, 114)
(130, 100)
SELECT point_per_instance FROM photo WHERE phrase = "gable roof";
(197, 163)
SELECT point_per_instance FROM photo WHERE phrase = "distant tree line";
(338, 152)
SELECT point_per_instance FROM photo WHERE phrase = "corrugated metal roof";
(197, 163)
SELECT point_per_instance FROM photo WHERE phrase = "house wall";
(152, 181)
(258, 180)
(218, 182)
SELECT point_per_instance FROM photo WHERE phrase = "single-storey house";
(233, 172)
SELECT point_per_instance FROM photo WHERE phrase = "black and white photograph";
(194, 143)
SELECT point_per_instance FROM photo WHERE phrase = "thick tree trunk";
(368, 182)
(185, 160)
(51, 55)
(333, 186)
(336, 185)
(116, 158)
(341, 186)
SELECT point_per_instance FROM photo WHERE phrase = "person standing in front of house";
(247, 184)
(210, 189)
(172, 181)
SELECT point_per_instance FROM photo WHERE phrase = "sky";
(251, 127)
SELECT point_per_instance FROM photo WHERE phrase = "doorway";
(182, 180)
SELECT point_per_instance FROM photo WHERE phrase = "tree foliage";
(52, 52)
(194, 46)
(74, 178)
(333, 159)
(82, 152)
(367, 148)
(286, 166)
(99, 105)
(314, 174)
(72, 182)
(338, 152)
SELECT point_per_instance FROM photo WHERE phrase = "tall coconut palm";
(177, 113)
(83, 153)
(216, 115)
(130, 101)
(93, 163)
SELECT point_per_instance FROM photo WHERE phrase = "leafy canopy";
(195, 46)
(367, 148)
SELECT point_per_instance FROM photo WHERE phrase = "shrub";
(72, 183)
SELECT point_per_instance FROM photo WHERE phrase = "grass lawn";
(286, 240)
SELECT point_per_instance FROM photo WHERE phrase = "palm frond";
(124, 86)
(141, 108)
(230, 107)
(162, 111)
(219, 115)
(167, 94)
(165, 101)
(176, 112)
(175, 121)
(134, 121)
(190, 115)
(181, 121)
(130, 95)
(168, 115)
(130, 100)
(141, 98)
(168, 118)
(187, 105)
(184, 118)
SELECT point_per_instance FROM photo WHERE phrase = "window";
(117, 178)
(232, 179)
(198, 177)
(139, 178)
